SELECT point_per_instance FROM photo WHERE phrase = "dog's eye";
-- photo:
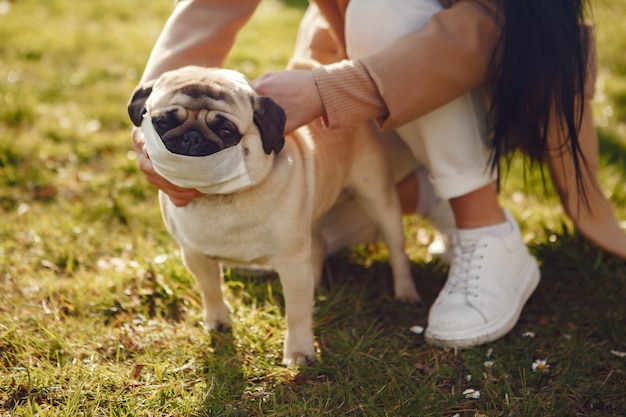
(226, 134)
(168, 119)
(161, 125)
(226, 130)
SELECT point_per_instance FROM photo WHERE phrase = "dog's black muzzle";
(192, 143)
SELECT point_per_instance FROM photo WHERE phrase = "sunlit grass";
(99, 316)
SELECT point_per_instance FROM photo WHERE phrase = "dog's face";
(200, 111)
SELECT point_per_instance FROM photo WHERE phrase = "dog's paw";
(217, 326)
(299, 353)
(217, 318)
(299, 359)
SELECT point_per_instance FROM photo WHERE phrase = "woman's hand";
(179, 196)
(295, 91)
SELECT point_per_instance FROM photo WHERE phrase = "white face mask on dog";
(223, 172)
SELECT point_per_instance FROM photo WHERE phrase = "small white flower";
(471, 394)
(22, 209)
(618, 353)
(160, 259)
(528, 334)
(417, 329)
(488, 364)
(540, 365)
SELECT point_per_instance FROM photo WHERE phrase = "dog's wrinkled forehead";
(215, 88)
(183, 98)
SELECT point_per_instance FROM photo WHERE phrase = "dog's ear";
(269, 118)
(137, 104)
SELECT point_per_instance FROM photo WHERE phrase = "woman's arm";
(198, 32)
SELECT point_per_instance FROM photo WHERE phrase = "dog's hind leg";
(209, 275)
(378, 197)
(388, 218)
(318, 254)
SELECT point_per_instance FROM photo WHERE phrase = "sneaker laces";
(466, 264)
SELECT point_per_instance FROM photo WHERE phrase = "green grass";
(99, 318)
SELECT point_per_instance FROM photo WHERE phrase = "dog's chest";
(223, 228)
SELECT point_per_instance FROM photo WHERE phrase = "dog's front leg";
(208, 272)
(298, 282)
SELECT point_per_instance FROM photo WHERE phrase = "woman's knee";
(373, 24)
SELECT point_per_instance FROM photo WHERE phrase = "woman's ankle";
(479, 208)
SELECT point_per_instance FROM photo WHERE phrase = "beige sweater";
(446, 59)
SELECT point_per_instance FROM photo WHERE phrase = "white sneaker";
(489, 281)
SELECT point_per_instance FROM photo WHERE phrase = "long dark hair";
(539, 67)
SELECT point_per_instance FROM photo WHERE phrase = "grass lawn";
(99, 317)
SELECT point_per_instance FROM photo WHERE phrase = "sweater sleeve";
(198, 32)
(348, 94)
(427, 68)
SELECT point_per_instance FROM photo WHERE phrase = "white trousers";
(450, 142)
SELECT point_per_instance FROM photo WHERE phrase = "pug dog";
(206, 128)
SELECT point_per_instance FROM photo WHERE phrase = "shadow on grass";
(224, 375)
(364, 340)
(354, 298)
(364, 278)
(582, 288)
(579, 316)
(370, 361)
(355, 282)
